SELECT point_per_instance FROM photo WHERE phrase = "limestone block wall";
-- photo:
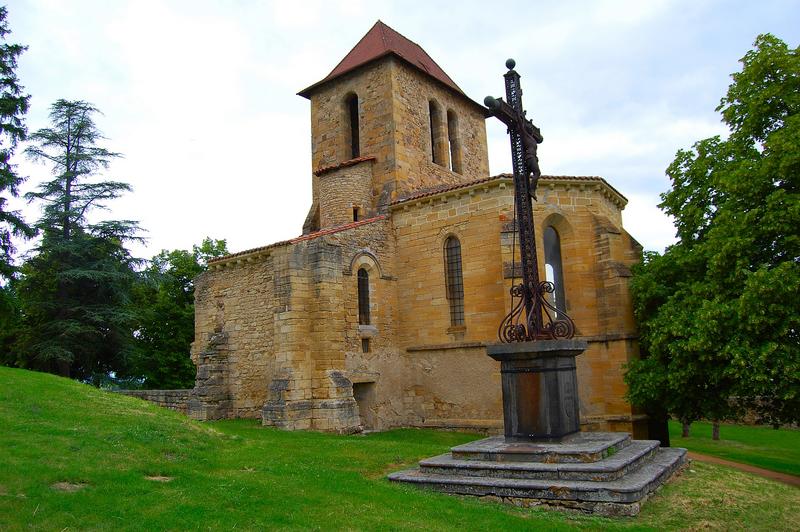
(343, 189)
(475, 215)
(235, 310)
(394, 127)
(453, 386)
(415, 169)
(330, 122)
(172, 399)
(596, 255)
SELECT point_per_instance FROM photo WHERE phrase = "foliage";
(77, 317)
(70, 148)
(719, 314)
(74, 293)
(116, 448)
(165, 305)
(13, 106)
(10, 319)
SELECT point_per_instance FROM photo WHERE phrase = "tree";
(718, 312)
(165, 302)
(75, 292)
(13, 106)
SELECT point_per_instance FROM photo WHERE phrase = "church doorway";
(364, 394)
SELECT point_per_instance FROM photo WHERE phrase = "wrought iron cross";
(532, 316)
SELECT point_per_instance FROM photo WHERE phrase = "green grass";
(777, 450)
(236, 474)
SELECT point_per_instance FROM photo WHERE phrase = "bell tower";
(388, 122)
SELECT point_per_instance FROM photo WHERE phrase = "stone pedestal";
(540, 388)
(544, 459)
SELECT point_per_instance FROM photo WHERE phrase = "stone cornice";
(506, 180)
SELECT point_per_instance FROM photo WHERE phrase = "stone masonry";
(277, 328)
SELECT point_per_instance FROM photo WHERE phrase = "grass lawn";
(74, 457)
(778, 450)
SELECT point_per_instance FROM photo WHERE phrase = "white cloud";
(200, 96)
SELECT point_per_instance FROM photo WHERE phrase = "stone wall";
(343, 189)
(235, 323)
(330, 123)
(596, 256)
(172, 399)
(394, 127)
(415, 169)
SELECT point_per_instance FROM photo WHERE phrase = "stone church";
(378, 314)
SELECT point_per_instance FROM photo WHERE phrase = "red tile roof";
(380, 41)
(352, 162)
(337, 229)
(301, 238)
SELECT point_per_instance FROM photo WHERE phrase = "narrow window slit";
(454, 280)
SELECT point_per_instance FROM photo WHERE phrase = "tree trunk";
(63, 368)
(685, 429)
(715, 430)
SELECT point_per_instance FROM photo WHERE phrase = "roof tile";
(381, 40)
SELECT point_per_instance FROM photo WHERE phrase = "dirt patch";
(765, 473)
(159, 478)
(68, 486)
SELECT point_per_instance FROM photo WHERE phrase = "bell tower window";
(353, 145)
(453, 141)
(439, 153)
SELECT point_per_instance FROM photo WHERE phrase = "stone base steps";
(627, 459)
(575, 448)
(616, 484)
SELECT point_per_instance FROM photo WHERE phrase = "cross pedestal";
(540, 388)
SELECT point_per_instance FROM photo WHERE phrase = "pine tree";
(75, 292)
(13, 106)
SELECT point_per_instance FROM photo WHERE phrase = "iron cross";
(541, 319)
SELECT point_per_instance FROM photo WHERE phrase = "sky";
(200, 96)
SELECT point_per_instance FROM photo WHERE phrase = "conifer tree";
(13, 106)
(75, 292)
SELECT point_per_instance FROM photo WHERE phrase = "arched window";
(351, 105)
(363, 297)
(554, 273)
(436, 132)
(453, 142)
(454, 280)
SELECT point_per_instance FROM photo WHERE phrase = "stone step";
(626, 490)
(581, 447)
(624, 461)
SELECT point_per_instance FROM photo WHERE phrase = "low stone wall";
(173, 399)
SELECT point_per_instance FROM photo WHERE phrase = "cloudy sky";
(200, 96)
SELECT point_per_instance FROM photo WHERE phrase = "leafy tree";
(165, 302)
(719, 312)
(13, 106)
(75, 292)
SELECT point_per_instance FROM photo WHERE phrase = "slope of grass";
(79, 458)
(777, 450)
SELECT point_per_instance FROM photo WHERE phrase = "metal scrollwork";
(532, 316)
